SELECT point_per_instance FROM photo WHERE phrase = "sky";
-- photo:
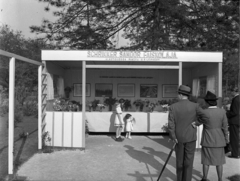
(21, 14)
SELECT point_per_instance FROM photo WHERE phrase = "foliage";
(62, 104)
(46, 142)
(18, 117)
(127, 104)
(27, 78)
(110, 101)
(101, 106)
(149, 25)
(184, 25)
(30, 108)
(95, 103)
(150, 105)
(165, 128)
(138, 103)
(168, 102)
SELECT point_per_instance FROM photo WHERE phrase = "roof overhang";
(130, 56)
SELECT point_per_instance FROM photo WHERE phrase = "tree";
(26, 74)
(189, 25)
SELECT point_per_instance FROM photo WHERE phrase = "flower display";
(95, 103)
(150, 105)
(167, 103)
(101, 106)
(127, 104)
(61, 104)
(110, 102)
(139, 104)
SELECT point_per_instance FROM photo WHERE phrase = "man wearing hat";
(182, 116)
(233, 121)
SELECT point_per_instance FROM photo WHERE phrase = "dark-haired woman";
(214, 137)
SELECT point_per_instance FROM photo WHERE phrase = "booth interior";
(156, 89)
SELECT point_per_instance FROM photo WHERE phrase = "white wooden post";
(180, 74)
(219, 79)
(40, 107)
(83, 101)
(11, 115)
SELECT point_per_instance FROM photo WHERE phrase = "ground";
(139, 159)
(23, 148)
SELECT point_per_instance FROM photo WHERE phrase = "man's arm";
(171, 125)
(225, 128)
(234, 108)
(202, 116)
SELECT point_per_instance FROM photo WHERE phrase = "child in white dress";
(130, 120)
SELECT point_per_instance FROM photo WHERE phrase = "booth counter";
(63, 127)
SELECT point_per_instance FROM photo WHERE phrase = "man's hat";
(183, 89)
(210, 96)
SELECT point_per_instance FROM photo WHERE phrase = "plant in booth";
(167, 103)
(126, 104)
(94, 104)
(62, 104)
(139, 104)
(101, 107)
(150, 105)
(110, 102)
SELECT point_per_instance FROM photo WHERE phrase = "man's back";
(184, 113)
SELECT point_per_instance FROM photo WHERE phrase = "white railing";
(12, 59)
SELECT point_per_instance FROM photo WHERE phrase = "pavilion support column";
(219, 79)
(83, 101)
(11, 115)
(39, 107)
(180, 74)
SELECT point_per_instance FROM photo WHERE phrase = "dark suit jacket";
(181, 116)
(233, 113)
(215, 130)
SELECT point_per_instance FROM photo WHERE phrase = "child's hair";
(127, 116)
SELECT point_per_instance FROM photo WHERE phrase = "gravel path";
(139, 159)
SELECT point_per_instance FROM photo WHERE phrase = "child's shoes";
(129, 137)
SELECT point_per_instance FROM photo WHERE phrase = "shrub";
(18, 118)
(30, 108)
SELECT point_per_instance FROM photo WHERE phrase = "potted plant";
(110, 102)
(151, 106)
(139, 104)
(95, 103)
(127, 104)
(101, 106)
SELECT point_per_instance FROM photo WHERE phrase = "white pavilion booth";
(127, 73)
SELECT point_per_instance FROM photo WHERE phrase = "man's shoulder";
(184, 102)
